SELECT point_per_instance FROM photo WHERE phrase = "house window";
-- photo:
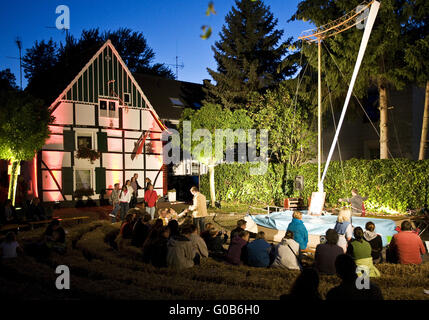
(84, 142)
(83, 179)
(108, 109)
(103, 108)
(177, 103)
(127, 98)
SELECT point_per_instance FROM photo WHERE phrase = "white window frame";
(86, 134)
(108, 101)
(91, 177)
(130, 102)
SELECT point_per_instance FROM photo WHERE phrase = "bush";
(393, 185)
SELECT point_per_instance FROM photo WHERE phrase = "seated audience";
(286, 253)
(181, 253)
(348, 289)
(158, 250)
(141, 230)
(326, 253)
(162, 214)
(36, 211)
(10, 248)
(375, 241)
(215, 242)
(305, 287)
(258, 251)
(198, 242)
(299, 230)
(55, 237)
(174, 228)
(125, 232)
(407, 246)
(237, 251)
(360, 250)
(206, 232)
(241, 225)
(344, 229)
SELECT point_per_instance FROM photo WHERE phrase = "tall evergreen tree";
(249, 55)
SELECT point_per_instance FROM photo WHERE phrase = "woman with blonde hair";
(344, 228)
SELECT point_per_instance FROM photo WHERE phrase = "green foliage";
(23, 125)
(391, 185)
(87, 153)
(249, 55)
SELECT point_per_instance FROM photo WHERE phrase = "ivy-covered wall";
(391, 185)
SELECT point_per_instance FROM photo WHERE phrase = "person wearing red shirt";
(150, 198)
(407, 245)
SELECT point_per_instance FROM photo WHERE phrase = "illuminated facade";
(103, 109)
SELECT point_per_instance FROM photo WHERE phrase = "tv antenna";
(18, 43)
(177, 66)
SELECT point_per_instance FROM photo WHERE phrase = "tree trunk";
(16, 165)
(212, 185)
(384, 132)
(424, 137)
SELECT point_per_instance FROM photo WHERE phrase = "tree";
(23, 130)
(383, 65)
(7, 80)
(290, 136)
(417, 59)
(249, 55)
(212, 117)
(57, 65)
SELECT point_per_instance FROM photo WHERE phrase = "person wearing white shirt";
(124, 200)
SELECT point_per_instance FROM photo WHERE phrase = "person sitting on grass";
(159, 249)
(286, 253)
(258, 251)
(300, 232)
(140, 230)
(198, 242)
(375, 241)
(237, 251)
(348, 289)
(407, 246)
(181, 253)
(9, 212)
(36, 211)
(241, 225)
(344, 229)
(153, 235)
(215, 242)
(162, 214)
(174, 228)
(55, 237)
(206, 232)
(126, 232)
(360, 250)
(10, 248)
(305, 287)
(324, 258)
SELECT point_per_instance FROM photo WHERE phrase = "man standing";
(114, 201)
(198, 208)
(356, 202)
(150, 198)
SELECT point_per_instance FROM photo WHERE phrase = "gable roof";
(105, 75)
(166, 95)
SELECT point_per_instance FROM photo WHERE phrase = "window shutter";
(67, 180)
(69, 140)
(100, 180)
(102, 141)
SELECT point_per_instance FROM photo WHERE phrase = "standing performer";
(198, 208)
(356, 202)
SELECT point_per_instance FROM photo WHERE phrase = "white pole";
(368, 28)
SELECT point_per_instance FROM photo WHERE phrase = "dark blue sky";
(170, 27)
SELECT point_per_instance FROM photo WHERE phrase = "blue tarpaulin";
(317, 225)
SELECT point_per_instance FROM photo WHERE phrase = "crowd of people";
(180, 241)
(31, 211)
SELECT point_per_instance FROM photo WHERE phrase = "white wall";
(63, 113)
(85, 114)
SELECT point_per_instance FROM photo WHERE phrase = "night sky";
(171, 27)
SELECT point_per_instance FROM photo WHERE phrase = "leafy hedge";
(391, 185)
